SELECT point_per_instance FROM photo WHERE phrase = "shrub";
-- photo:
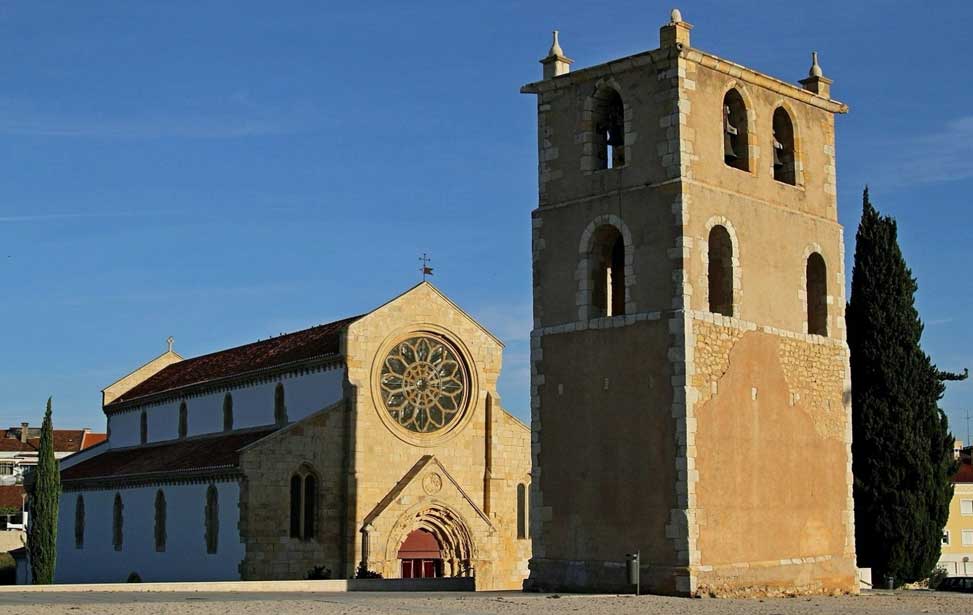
(365, 573)
(8, 569)
(134, 578)
(318, 573)
(937, 577)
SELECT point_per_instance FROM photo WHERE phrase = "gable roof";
(65, 440)
(426, 285)
(170, 459)
(410, 476)
(317, 342)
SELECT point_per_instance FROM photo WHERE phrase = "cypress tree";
(45, 491)
(902, 449)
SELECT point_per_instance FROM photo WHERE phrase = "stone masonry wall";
(773, 505)
(315, 443)
(389, 501)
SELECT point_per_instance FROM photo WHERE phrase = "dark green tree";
(45, 488)
(902, 448)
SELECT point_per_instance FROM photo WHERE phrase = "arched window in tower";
(817, 295)
(183, 420)
(227, 412)
(160, 521)
(79, 522)
(143, 427)
(117, 521)
(608, 116)
(212, 519)
(280, 407)
(785, 162)
(607, 260)
(521, 511)
(720, 256)
(304, 504)
(736, 150)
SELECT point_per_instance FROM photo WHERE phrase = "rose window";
(423, 384)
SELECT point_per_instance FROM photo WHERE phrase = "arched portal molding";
(448, 526)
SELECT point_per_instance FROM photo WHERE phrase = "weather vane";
(425, 269)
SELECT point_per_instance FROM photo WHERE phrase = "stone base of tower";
(608, 577)
(807, 576)
(810, 576)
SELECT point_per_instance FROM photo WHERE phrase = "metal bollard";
(632, 565)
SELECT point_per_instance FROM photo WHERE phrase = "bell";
(729, 136)
(778, 148)
(728, 151)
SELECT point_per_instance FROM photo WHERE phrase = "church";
(374, 442)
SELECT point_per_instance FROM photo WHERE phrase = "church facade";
(374, 442)
(690, 376)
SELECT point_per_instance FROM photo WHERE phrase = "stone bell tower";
(690, 379)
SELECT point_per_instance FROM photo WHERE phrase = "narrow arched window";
(817, 295)
(79, 522)
(117, 519)
(736, 146)
(720, 253)
(521, 511)
(607, 272)
(304, 504)
(160, 521)
(310, 505)
(143, 427)
(227, 412)
(280, 407)
(608, 116)
(212, 519)
(785, 162)
(183, 420)
(296, 506)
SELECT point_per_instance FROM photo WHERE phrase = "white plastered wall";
(185, 557)
(253, 406)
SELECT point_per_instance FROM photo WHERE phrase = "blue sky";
(225, 171)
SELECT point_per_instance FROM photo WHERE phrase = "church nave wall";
(253, 406)
(185, 557)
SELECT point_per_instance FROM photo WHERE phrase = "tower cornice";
(703, 58)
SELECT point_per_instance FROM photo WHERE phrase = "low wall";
(12, 539)
(459, 584)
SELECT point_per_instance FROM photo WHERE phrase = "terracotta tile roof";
(91, 439)
(65, 441)
(965, 472)
(175, 457)
(319, 341)
(12, 496)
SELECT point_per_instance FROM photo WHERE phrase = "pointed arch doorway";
(420, 556)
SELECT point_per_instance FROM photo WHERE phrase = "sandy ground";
(360, 603)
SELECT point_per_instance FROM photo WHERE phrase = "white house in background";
(18, 455)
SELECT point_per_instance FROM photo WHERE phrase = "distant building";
(957, 554)
(18, 454)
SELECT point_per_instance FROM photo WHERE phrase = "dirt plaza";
(505, 603)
